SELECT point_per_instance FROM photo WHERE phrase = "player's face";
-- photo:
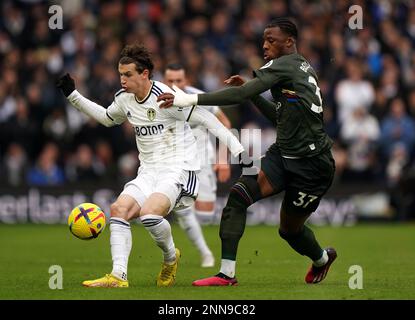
(175, 77)
(131, 80)
(276, 43)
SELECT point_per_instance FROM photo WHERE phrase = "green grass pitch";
(267, 267)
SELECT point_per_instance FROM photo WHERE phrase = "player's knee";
(287, 235)
(244, 192)
(119, 211)
(154, 208)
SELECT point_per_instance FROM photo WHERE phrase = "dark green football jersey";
(299, 110)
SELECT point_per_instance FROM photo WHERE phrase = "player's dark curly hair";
(139, 55)
(286, 25)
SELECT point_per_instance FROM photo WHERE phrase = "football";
(86, 221)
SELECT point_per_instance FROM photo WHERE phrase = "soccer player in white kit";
(168, 161)
(204, 207)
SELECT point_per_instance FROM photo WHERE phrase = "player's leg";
(302, 239)
(310, 179)
(167, 191)
(122, 210)
(152, 216)
(246, 191)
(205, 203)
(190, 217)
(189, 223)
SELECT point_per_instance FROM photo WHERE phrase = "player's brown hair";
(139, 55)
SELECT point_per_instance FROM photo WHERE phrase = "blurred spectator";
(55, 127)
(396, 128)
(105, 162)
(15, 165)
(81, 166)
(331, 125)
(22, 129)
(127, 166)
(411, 103)
(397, 161)
(353, 92)
(360, 132)
(7, 104)
(46, 171)
(341, 159)
(371, 68)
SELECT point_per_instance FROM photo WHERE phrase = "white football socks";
(188, 222)
(322, 261)
(121, 242)
(227, 267)
(205, 217)
(160, 230)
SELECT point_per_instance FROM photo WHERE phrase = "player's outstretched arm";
(228, 96)
(90, 108)
(267, 108)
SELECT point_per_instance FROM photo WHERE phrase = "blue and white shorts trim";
(189, 191)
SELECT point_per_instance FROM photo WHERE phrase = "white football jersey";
(205, 147)
(163, 136)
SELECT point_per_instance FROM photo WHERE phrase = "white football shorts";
(179, 185)
(207, 179)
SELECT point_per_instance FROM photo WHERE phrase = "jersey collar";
(147, 96)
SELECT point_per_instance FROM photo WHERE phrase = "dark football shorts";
(305, 180)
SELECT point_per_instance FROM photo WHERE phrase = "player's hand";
(66, 84)
(167, 99)
(223, 171)
(236, 80)
(178, 99)
(245, 160)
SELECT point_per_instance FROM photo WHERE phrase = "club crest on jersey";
(151, 114)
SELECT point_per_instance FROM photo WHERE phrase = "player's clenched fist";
(66, 84)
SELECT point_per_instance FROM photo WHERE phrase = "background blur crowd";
(366, 76)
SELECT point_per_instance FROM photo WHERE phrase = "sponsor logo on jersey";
(129, 114)
(151, 114)
(149, 130)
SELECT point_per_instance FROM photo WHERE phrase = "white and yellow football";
(86, 221)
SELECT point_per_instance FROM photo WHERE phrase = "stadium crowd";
(366, 76)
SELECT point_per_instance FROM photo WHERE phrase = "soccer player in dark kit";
(299, 162)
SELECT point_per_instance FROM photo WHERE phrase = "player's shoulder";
(159, 87)
(119, 93)
(122, 95)
(285, 63)
(286, 60)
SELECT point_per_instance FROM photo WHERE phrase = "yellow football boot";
(167, 275)
(108, 281)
